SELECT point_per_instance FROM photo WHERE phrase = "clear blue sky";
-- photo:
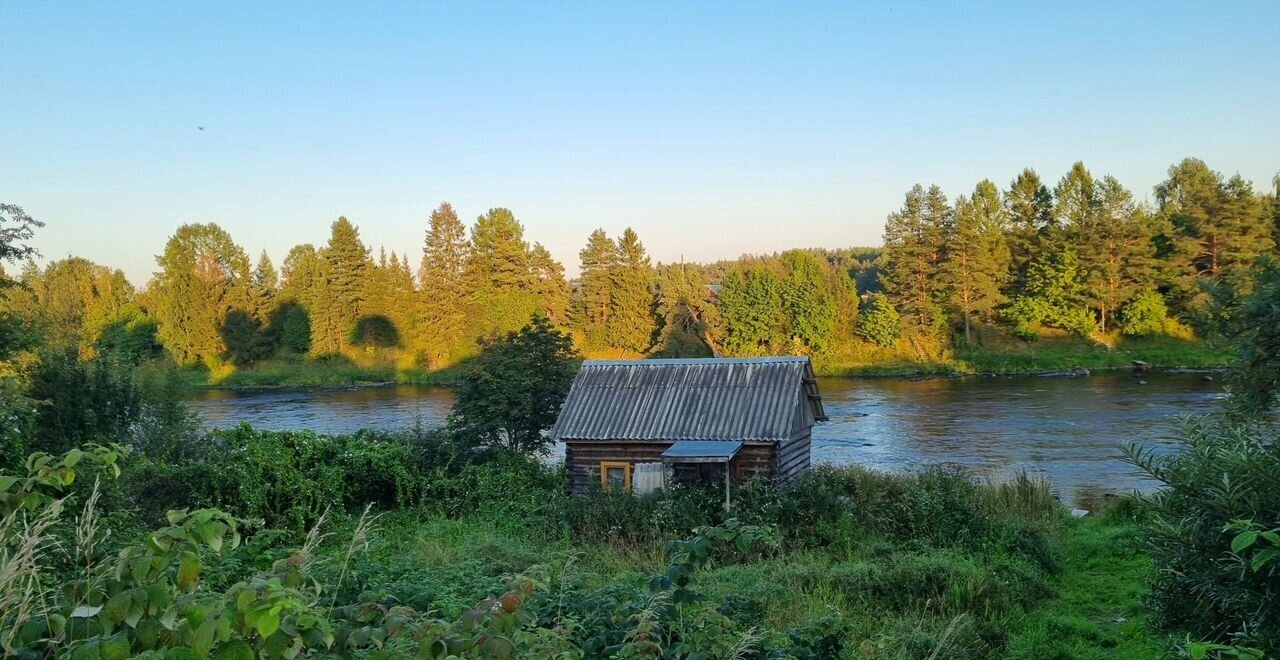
(713, 129)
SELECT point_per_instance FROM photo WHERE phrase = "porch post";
(726, 485)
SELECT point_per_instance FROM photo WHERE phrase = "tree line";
(1083, 257)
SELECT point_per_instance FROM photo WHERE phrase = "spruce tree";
(346, 272)
(594, 302)
(444, 286)
(685, 312)
(552, 287)
(879, 322)
(264, 288)
(291, 320)
(631, 324)
(502, 287)
(499, 259)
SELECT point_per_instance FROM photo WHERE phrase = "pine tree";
(265, 285)
(292, 318)
(913, 254)
(977, 263)
(552, 287)
(1247, 230)
(1030, 211)
(1076, 203)
(1117, 251)
(444, 285)
(594, 300)
(1190, 201)
(203, 276)
(631, 324)
(346, 272)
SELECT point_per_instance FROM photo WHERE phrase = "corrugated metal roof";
(690, 399)
(717, 449)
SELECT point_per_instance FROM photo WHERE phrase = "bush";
(1225, 472)
(286, 478)
(1146, 314)
(879, 323)
(81, 402)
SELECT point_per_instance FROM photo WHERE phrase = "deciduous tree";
(514, 388)
(203, 276)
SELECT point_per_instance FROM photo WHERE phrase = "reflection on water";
(1067, 429)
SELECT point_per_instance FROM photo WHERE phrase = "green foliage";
(1146, 314)
(345, 265)
(789, 304)
(1030, 207)
(79, 402)
(203, 276)
(750, 303)
(444, 257)
(631, 324)
(285, 478)
(513, 389)
(914, 244)
(594, 303)
(1054, 296)
(1253, 322)
(879, 322)
(1218, 228)
(1225, 472)
(807, 300)
(977, 263)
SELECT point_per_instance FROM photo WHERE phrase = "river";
(1068, 430)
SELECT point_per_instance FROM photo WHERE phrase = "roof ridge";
(699, 361)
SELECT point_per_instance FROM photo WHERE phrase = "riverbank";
(1049, 356)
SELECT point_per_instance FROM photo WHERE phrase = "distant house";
(640, 424)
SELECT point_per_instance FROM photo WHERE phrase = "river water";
(1068, 430)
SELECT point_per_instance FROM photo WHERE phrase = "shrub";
(81, 402)
(879, 323)
(1225, 472)
(1146, 314)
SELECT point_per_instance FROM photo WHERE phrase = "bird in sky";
(201, 128)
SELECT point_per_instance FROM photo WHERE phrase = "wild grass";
(903, 590)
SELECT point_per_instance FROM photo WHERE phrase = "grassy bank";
(1008, 356)
(994, 355)
(285, 374)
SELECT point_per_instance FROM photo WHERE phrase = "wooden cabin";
(639, 425)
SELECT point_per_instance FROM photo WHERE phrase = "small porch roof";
(702, 451)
